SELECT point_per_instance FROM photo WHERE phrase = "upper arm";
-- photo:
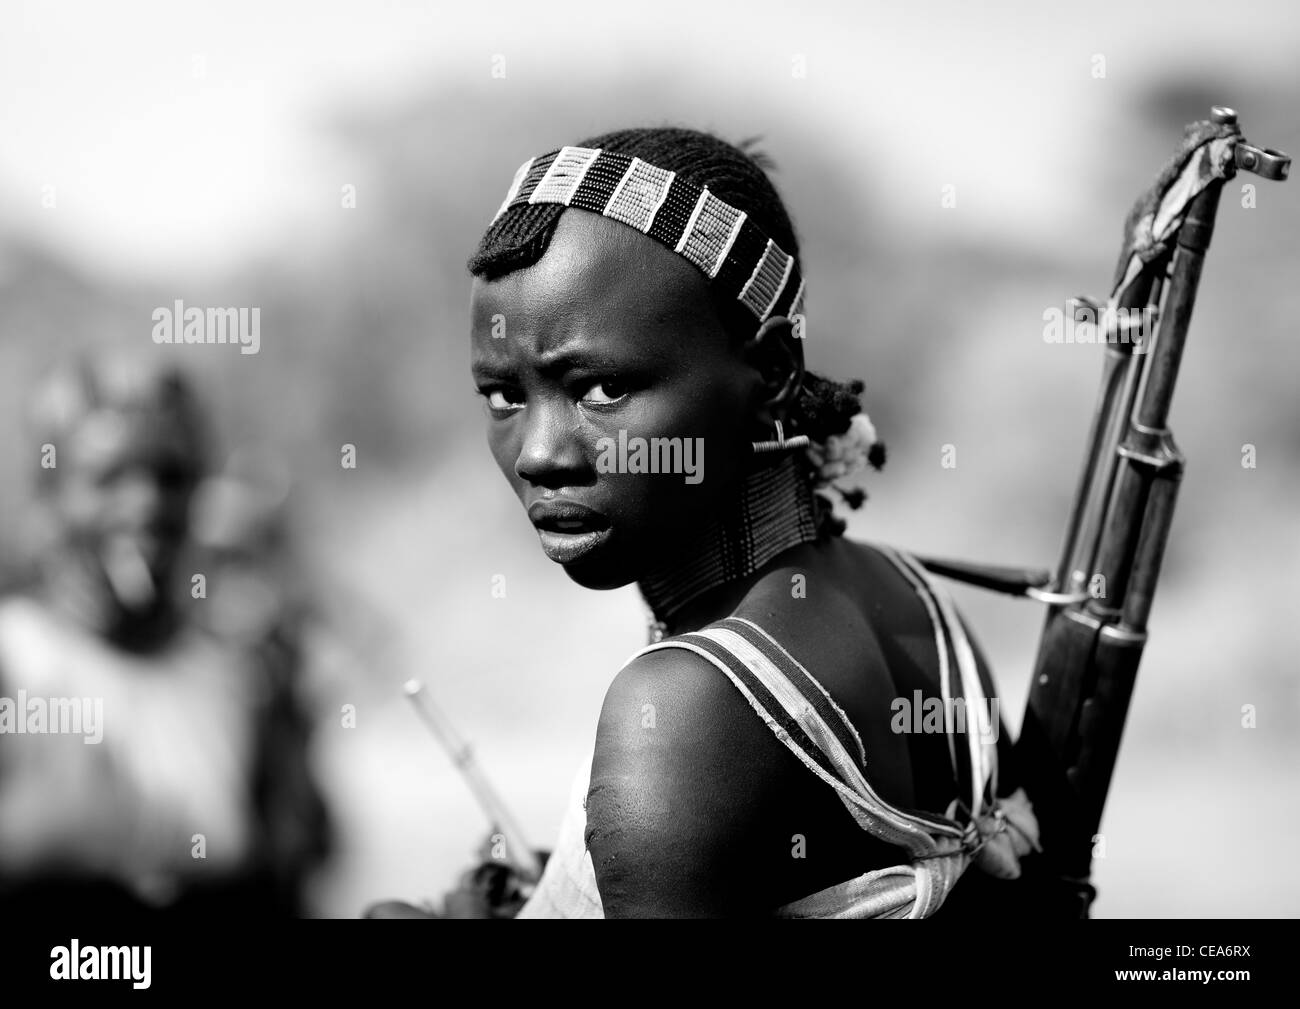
(674, 808)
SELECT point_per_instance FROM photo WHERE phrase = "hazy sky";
(181, 134)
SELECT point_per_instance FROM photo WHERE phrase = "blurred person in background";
(188, 787)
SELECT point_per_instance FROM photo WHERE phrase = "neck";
(771, 512)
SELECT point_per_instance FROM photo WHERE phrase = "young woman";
(637, 339)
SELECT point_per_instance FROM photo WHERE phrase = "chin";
(603, 568)
(595, 575)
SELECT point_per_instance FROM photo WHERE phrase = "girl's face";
(587, 361)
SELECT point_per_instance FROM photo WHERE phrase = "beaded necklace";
(772, 513)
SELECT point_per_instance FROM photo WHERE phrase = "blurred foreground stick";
(514, 849)
(503, 880)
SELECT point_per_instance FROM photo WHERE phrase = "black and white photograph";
(768, 460)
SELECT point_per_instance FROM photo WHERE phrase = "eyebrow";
(488, 369)
(564, 358)
(559, 361)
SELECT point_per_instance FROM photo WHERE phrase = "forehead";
(598, 277)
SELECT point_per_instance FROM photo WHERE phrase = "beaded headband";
(723, 242)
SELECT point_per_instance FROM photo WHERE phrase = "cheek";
(718, 420)
(505, 451)
(714, 454)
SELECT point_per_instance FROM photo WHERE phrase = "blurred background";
(334, 164)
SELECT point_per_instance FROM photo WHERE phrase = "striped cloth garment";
(790, 701)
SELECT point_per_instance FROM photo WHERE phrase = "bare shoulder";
(683, 777)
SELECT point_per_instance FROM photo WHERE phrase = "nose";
(551, 453)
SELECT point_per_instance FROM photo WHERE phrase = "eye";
(607, 391)
(500, 399)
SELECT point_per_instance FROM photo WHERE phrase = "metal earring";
(781, 444)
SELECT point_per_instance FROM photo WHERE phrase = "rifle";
(1119, 522)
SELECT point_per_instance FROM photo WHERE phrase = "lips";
(568, 530)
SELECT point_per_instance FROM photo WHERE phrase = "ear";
(778, 357)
